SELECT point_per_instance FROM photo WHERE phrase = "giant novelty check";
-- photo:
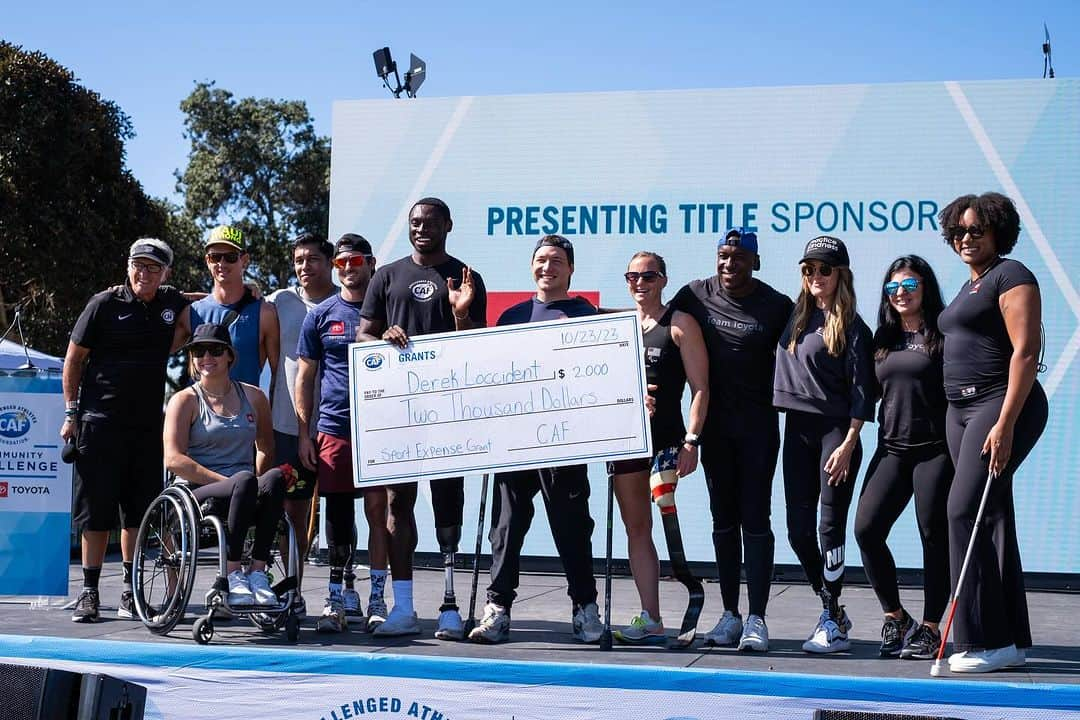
(516, 397)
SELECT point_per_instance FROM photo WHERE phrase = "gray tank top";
(225, 445)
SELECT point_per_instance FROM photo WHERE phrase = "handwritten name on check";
(516, 397)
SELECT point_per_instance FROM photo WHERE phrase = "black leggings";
(738, 474)
(340, 527)
(891, 480)
(245, 501)
(991, 611)
(809, 440)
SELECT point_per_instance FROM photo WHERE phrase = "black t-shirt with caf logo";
(415, 297)
(129, 342)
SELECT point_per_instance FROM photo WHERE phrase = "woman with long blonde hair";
(825, 384)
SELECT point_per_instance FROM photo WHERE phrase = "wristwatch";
(692, 439)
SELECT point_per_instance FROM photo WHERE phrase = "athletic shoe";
(260, 588)
(351, 599)
(377, 613)
(642, 630)
(299, 606)
(981, 661)
(126, 609)
(587, 625)
(450, 626)
(494, 627)
(727, 632)
(895, 633)
(923, 645)
(1021, 658)
(828, 636)
(87, 607)
(398, 622)
(755, 634)
(239, 590)
(333, 619)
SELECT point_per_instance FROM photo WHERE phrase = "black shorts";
(287, 450)
(118, 469)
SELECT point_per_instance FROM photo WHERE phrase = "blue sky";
(147, 56)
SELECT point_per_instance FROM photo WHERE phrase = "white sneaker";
(727, 632)
(587, 625)
(333, 619)
(450, 626)
(1021, 658)
(260, 588)
(494, 627)
(981, 661)
(239, 590)
(755, 634)
(641, 630)
(376, 614)
(398, 623)
(351, 600)
(828, 636)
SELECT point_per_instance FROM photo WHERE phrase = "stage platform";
(541, 628)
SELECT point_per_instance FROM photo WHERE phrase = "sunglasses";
(198, 351)
(647, 276)
(148, 268)
(352, 261)
(909, 285)
(824, 269)
(957, 232)
(228, 257)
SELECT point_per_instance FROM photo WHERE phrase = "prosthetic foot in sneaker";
(450, 626)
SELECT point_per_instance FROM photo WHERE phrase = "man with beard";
(428, 291)
(742, 319)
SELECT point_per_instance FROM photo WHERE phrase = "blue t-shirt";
(532, 310)
(244, 332)
(324, 337)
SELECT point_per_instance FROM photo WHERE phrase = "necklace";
(216, 396)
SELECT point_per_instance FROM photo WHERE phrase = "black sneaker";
(895, 633)
(923, 645)
(126, 609)
(87, 607)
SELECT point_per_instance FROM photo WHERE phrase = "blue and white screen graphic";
(670, 171)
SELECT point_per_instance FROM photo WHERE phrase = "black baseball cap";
(827, 249)
(210, 334)
(351, 242)
(556, 241)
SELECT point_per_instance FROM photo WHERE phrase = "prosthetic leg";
(450, 625)
(663, 480)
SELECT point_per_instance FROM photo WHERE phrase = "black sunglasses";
(909, 285)
(647, 276)
(957, 232)
(198, 351)
(229, 257)
(824, 268)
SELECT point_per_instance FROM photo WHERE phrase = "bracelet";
(71, 412)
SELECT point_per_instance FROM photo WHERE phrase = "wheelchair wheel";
(203, 630)
(164, 563)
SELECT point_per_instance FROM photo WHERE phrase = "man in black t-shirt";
(426, 292)
(742, 318)
(565, 489)
(114, 388)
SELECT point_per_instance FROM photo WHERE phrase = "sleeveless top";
(244, 332)
(225, 445)
(664, 368)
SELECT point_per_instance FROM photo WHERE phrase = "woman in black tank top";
(674, 353)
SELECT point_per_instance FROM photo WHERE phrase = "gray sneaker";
(333, 618)
(450, 626)
(376, 614)
(755, 634)
(587, 625)
(87, 607)
(727, 633)
(351, 600)
(494, 627)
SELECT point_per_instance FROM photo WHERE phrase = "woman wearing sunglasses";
(825, 384)
(997, 411)
(213, 431)
(911, 456)
(674, 354)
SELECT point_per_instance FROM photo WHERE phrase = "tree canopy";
(259, 165)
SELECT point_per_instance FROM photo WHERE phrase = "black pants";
(245, 501)
(566, 497)
(738, 474)
(891, 480)
(340, 527)
(809, 440)
(991, 610)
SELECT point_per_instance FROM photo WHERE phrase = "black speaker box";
(34, 693)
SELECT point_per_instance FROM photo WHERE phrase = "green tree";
(69, 209)
(257, 164)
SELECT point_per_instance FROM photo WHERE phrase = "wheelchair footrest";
(221, 583)
(284, 586)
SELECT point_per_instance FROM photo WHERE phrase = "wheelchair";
(166, 557)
